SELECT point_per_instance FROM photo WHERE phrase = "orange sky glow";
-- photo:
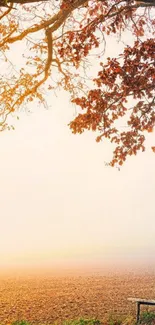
(62, 208)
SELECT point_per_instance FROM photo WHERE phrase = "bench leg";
(138, 311)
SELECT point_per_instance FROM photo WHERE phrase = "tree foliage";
(57, 40)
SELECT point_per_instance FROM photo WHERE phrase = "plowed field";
(48, 299)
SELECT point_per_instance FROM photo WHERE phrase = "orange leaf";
(153, 149)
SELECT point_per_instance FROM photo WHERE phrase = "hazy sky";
(61, 206)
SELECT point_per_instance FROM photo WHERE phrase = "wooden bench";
(141, 302)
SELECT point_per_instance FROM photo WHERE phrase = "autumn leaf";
(153, 149)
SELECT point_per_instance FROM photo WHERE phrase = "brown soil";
(48, 299)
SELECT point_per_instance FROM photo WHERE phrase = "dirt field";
(49, 299)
